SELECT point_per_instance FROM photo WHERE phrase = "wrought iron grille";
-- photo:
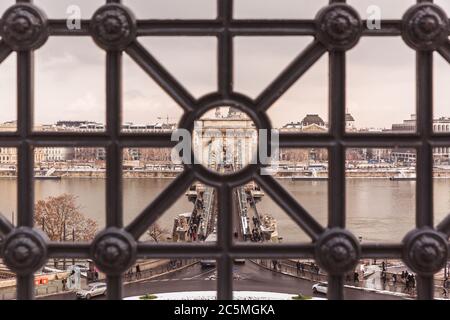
(336, 29)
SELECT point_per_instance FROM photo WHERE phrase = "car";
(320, 287)
(93, 290)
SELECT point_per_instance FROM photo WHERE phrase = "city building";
(8, 156)
(8, 126)
(441, 124)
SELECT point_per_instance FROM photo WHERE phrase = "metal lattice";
(336, 28)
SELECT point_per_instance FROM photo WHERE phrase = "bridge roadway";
(248, 277)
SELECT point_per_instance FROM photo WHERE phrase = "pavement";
(247, 277)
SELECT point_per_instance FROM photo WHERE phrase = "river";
(377, 209)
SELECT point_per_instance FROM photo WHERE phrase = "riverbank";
(322, 175)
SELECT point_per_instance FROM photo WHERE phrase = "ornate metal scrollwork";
(113, 27)
(24, 27)
(113, 251)
(339, 27)
(425, 26)
(337, 251)
(425, 251)
(24, 250)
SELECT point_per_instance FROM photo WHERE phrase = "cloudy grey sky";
(70, 71)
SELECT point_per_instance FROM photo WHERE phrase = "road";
(248, 277)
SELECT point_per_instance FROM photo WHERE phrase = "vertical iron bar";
(114, 214)
(114, 155)
(115, 288)
(424, 184)
(336, 287)
(336, 187)
(424, 65)
(425, 287)
(25, 172)
(225, 264)
(225, 51)
(336, 193)
(25, 287)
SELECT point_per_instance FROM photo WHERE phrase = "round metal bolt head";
(425, 251)
(339, 27)
(24, 250)
(113, 251)
(425, 27)
(24, 27)
(113, 27)
(337, 251)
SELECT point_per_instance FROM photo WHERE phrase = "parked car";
(93, 290)
(320, 287)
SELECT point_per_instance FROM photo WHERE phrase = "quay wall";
(129, 174)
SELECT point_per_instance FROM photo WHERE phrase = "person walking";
(138, 271)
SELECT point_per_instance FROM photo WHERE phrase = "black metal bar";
(445, 51)
(179, 27)
(238, 250)
(163, 202)
(165, 80)
(273, 28)
(424, 192)
(25, 287)
(58, 27)
(444, 226)
(335, 287)
(4, 51)
(5, 226)
(336, 186)
(385, 250)
(289, 205)
(115, 287)
(25, 100)
(389, 28)
(425, 287)
(68, 250)
(290, 75)
(225, 50)
(225, 241)
(114, 216)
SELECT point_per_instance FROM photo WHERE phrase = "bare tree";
(157, 233)
(61, 219)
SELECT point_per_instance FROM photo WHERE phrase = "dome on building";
(349, 117)
(312, 119)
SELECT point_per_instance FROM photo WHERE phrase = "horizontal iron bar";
(68, 250)
(273, 28)
(381, 250)
(388, 28)
(179, 27)
(59, 27)
(209, 27)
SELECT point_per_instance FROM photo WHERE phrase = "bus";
(205, 263)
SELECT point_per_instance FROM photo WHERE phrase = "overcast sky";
(70, 71)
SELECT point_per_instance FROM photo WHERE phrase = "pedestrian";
(138, 271)
(383, 266)
(394, 278)
(274, 263)
(298, 266)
